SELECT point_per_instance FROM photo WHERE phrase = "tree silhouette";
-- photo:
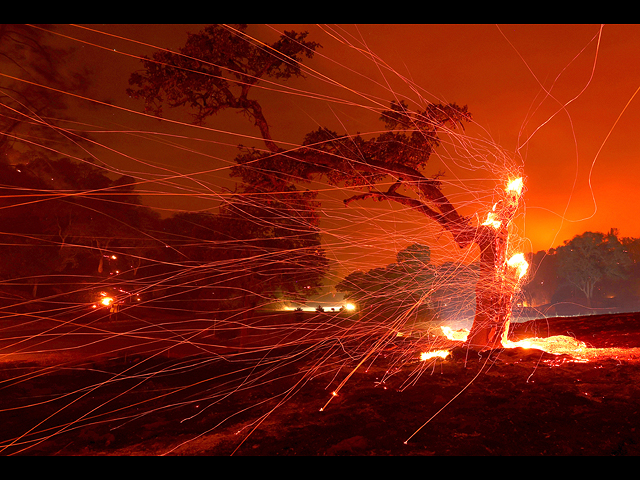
(28, 60)
(244, 256)
(217, 69)
(63, 216)
(399, 285)
(544, 279)
(587, 259)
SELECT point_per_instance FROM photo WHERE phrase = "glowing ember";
(456, 335)
(437, 353)
(557, 344)
(491, 220)
(518, 262)
(515, 186)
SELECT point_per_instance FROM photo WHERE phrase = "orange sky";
(575, 180)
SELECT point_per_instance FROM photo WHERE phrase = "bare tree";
(217, 69)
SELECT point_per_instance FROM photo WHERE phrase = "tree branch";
(256, 110)
(463, 233)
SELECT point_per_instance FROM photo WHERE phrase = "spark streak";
(180, 316)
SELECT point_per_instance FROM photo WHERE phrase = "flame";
(519, 263)
(457, 335)
(515, 186)
(491, 220)
(437, 353)
(557, 344)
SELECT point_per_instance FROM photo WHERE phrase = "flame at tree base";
(557, 344)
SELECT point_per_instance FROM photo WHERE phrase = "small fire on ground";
(557, 344)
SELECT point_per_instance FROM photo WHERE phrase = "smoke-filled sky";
(558, 98)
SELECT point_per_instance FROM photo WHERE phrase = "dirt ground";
(507, 402)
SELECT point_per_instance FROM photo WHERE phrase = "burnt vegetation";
(72, 231)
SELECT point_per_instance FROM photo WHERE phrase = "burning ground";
(511, 401)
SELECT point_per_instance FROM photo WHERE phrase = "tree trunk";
(496, 286)
(492, 318)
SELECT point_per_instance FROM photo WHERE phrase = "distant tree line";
(400, 285)
(68, 229)
(593, 272)
(415, 287)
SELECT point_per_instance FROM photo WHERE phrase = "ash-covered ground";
(503, 402)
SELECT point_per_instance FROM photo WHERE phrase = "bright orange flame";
(457, 335)
(350, 306)
(437, 353)
(519, 263)
(515, 186)
(557, 344)
(491, 220)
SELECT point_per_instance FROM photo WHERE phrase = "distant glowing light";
(350, 306)
(519, 263)
(113, 257)
(106, 301)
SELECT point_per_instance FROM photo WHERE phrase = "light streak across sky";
(553, 105)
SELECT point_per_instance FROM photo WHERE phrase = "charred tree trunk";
(497, 281)
(492, 299)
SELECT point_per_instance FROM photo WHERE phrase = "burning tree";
(216, 70)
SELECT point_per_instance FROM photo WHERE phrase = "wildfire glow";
(491, 220)
(519, 263)
(456, 335)
(515, 186)
(239, 332)
(437, 353)
(557, 344)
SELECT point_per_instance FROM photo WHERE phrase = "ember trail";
(166, 258)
